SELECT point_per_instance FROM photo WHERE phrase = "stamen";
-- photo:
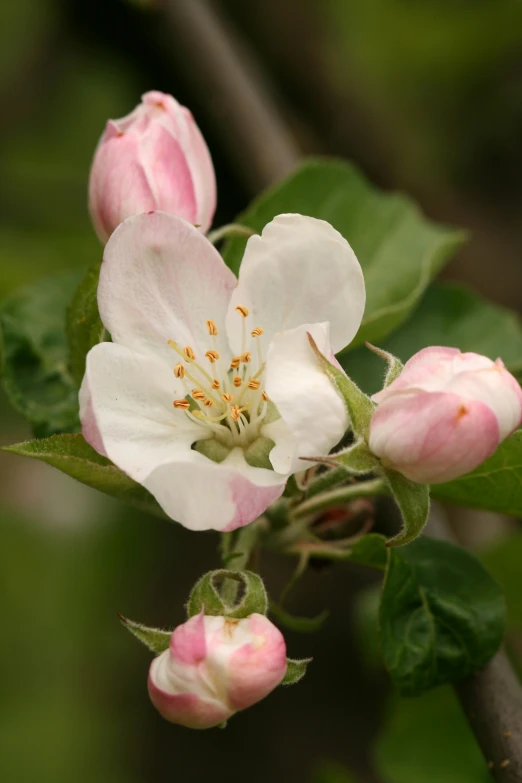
(212, 356)
(264, 396)
(236, 361)
(189, 353)
(198, 394)
(208, 403)
(242, 310)
(257, 332)
(212, 328)
(237, 381)
(246, 357)
(185, 404)
(254, 384)
(179, 370)
(216, 384)
(227, 397)
(235, 412)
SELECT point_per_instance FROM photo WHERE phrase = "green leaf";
(72, 455)
(296, 670)
(370, 550)
(449, 314)
(354, 459)
(360, 408)
(414, 504)
(294, 623)
(428, 740)
(442, 616)
(84, 326)
(496, 485)
(154, 638)
(399, 250)
(35, 374)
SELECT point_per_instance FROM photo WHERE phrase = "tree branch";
(260, 145)
(241, 105)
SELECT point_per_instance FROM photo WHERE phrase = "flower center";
(230, 401)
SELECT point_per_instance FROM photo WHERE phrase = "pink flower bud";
(444, 415)
(216, 666)
(155, 158)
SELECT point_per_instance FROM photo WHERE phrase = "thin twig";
(241, 106)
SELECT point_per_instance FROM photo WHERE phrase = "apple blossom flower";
(210, 392)
(154, 158)
(216, 666)
(444, 415)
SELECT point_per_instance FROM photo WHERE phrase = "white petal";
(205, 495)
(303, 395)
(161, 280)
(283, 454)
(300, 270)
(127, 408)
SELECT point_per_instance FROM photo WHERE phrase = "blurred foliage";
(428, 739)
(441, 78)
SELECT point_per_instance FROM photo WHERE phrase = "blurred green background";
(426, 96)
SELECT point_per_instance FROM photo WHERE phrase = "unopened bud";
(155, 158)
(444, 415)
(216, 666)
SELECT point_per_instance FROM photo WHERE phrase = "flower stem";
(362, 489)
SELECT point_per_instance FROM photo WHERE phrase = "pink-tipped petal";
(257, 667)
(235, 493)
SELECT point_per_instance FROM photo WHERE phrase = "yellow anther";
(212, 328)
(242, 310)
(236, 361)
(179, 370)
(238, 380)
(253, 384)
(198, 394)
(208, 403)
(246, 357)
(189, 353)
(185, 404)
(212, 356)
(257, 332)
(264, 396)
(227, 397)
(216, 384)
(235, 412)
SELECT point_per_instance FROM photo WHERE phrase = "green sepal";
(208, 595)
(413, 501)
(296, 670)
(356, 459)
(155, 639)
(395, 366)
(359, 406)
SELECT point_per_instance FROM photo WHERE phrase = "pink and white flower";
(444, 415)
(210, 393)
(216, 666)
(154, 158)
